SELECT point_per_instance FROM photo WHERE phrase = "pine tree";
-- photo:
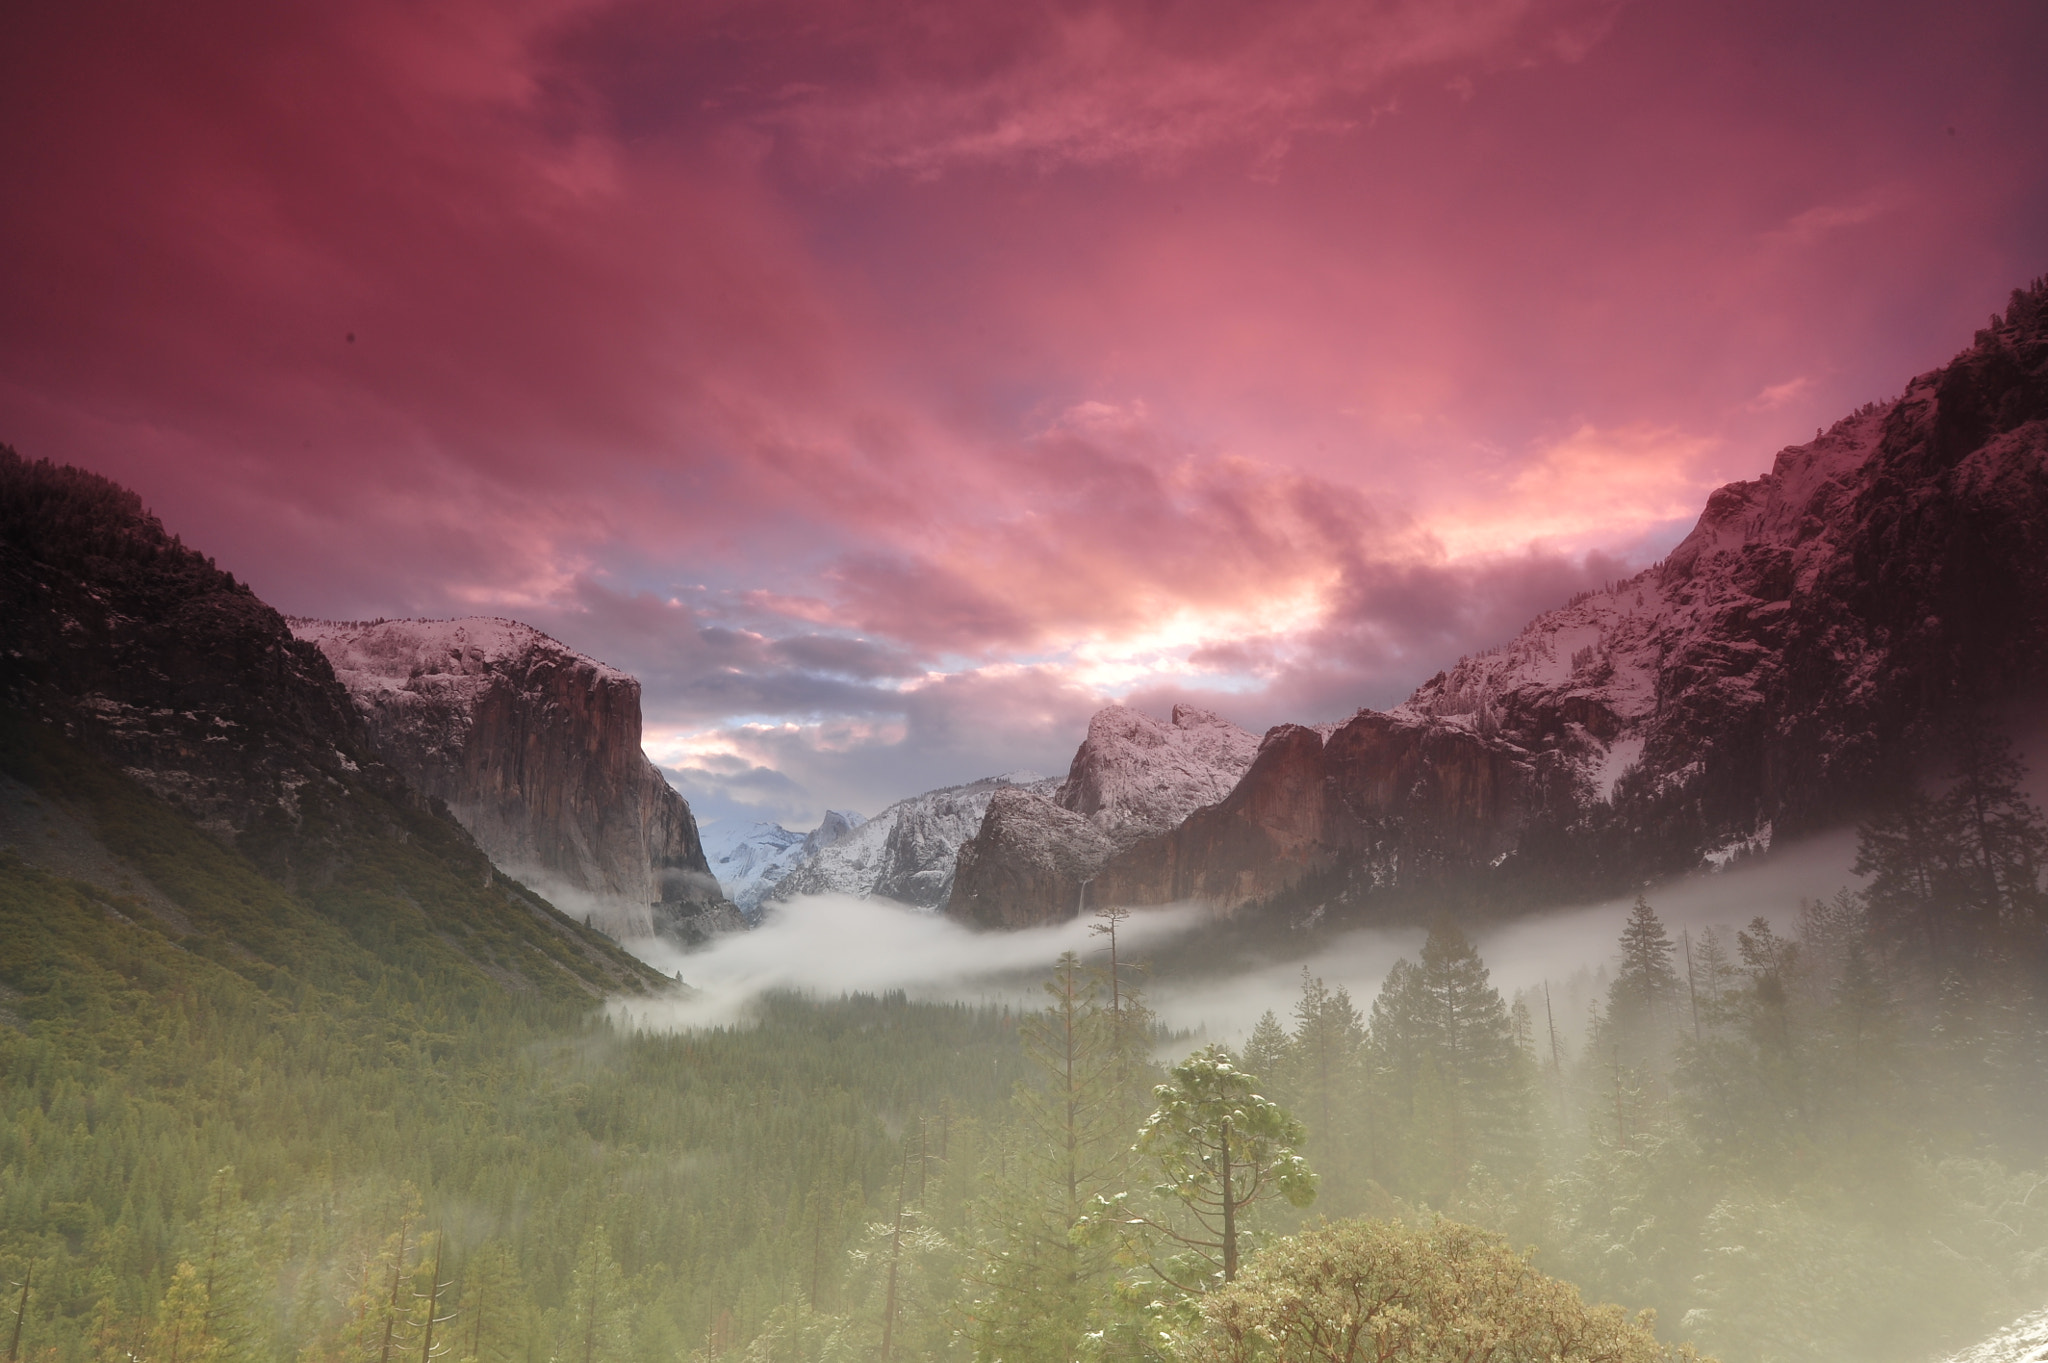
(182, 1334)
(1325, 1070)
(1266, 1054)
(1039, 1277)
(594, 1328)
(1643, 1000)
(1448, 1071)
(1222, 1149)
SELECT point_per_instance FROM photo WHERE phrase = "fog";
(829, 945)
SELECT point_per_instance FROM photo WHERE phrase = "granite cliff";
(535, 749)
(1133, 777)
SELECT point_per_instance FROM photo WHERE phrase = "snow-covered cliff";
(750, 860)
(907, 852)
(1133, 777)
(535, 749)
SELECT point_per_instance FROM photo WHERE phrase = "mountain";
(1133, 777)
(535, 749)
(909, 851)
(1794, 661)
(172, 747)
(750, 860)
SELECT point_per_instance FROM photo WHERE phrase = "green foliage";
(142, 1053)
(1221, 1149)
(1451, 1083)
(1040, 1279)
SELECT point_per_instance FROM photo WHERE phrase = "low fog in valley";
(826, 946)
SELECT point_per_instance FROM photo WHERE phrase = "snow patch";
(1724, 856)
(2023, 1341)
(1622, 754)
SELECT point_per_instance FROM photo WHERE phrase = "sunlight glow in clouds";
(889, 388)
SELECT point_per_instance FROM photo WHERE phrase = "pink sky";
(889, 385)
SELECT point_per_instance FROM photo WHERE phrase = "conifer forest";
(1803, 1136)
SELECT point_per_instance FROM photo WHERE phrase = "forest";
(1807, 1137)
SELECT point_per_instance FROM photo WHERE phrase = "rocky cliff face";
(1789, 663)
(140, 652)
(535, 749)
(909, 851)
(1133, 777)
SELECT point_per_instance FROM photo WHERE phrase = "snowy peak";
(1590, 675)
(1787, 664)
(1134, 775)
(907, 852)
(750, 860)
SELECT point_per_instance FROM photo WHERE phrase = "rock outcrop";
(1133, 777)
(1793, 660)
(535, 749)
(909, 851)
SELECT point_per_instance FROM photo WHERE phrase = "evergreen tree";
(1643, 1000)
(593, 1327)
(1325, 1065)
(1267, 1055)
(1448, 1071)
(1039, 1278)
(494, 1305)
(1221, 1149)
(182, 1333)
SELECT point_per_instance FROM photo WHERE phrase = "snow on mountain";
(1598, 660)
(1133, 777)
(1795, 659)
(750, 860)
(535, 749)
(907, 852)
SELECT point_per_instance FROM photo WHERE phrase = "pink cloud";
(938, 371)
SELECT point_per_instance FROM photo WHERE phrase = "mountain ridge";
(1785, 668)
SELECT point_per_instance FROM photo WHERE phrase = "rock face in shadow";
(1133, 777)
(138, 647)
(535, 749)
(1794, 660)
(1029, 858)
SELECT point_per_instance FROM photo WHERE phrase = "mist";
(830, 945)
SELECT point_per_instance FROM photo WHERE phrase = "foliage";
(1221, 1149)
(1353, 1291)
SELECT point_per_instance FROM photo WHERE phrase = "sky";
(890, 385)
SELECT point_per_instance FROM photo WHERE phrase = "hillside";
(148, 694)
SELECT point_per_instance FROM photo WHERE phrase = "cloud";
(830, 945)
(1776, 395)
(889, 386)
(1153, 85)
(1576, 490)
